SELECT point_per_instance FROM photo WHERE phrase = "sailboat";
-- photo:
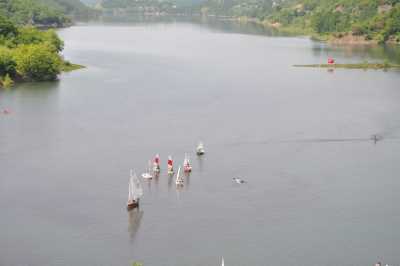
(156, 164)
(147, 175)
(179, 179)
(170, 166)
(187, 168)
(200, 149)
(238, 180)
(222, 263)
(135, 192)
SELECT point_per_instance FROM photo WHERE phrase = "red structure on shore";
(331, 61)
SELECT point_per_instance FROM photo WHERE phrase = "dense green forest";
(377, 20)
(26, 52)
(55, 13)
(372, 19)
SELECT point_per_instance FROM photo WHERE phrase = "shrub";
(7, 62)
(37, 62)
(7, 28)
(31, 35)
(7, 81)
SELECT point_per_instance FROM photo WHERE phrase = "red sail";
(157, 159)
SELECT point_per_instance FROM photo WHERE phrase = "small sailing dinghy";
(187, 168)
(147, 175)
(179, 179)
(238, 180)
(222, 263)
(170, 166)
(156, 164)
(200, 149)
(135, 192)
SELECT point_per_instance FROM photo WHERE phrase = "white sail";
(137, 190)
(200, 148)
(177, 175)
(222, 263)
(130, 189)
(179, 179)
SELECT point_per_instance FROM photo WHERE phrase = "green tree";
(37, 62)
(7, 28)
(31, 35)
(7, 62)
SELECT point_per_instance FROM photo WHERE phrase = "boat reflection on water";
(134, 218)
(200, 161)
(187, 178)
(170, 179)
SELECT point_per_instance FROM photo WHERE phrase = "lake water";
(319, 191)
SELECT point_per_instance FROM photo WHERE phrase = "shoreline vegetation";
(30, 49)
(69, 67)
(334, 21)
(364, 65)
(29, 54)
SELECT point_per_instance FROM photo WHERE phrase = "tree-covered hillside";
(372, 19)
(27, 53)
(42, 12)
(249, 8)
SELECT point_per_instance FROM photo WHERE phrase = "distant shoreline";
(353, 66)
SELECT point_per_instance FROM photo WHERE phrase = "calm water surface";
(318, 192)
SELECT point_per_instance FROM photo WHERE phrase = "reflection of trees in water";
(221, 24)
(235, 26)
(134, 218)
(200, 162)
(371, 52)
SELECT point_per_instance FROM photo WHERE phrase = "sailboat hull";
(131, 205)
(147, 176)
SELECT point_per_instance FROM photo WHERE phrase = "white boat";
(147, 175)
(170, 166)
(200, 149)
(135, 192)
(187, 168)
(156, 164)
(222, 263)
(179, 179)
(238, 180)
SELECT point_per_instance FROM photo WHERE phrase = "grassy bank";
(68, 67)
